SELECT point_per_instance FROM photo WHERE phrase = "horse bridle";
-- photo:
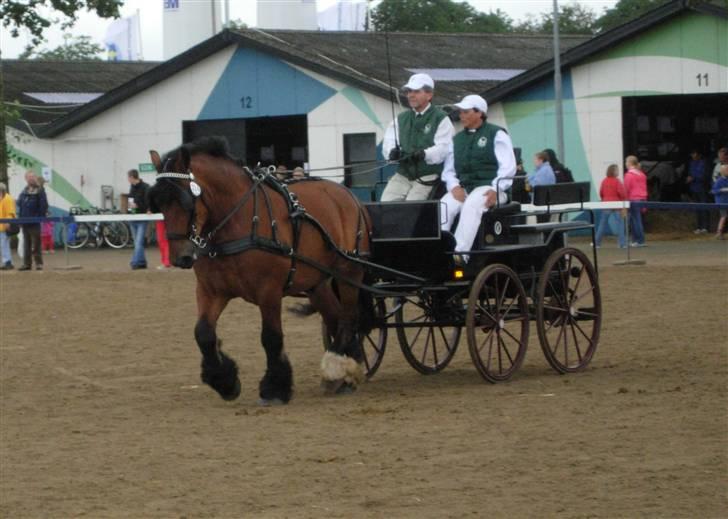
(188, 200)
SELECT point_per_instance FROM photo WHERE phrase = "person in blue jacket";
(32, 202)
(544, 174)
(698, 181)
(720, 192)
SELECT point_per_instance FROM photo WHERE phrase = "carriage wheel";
(426, 345)
(373, 344)
(568, 310)
(497, 323)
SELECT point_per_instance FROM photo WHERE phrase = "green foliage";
(236, 24)
(74, 48)
(624, 11)
(573, 19)
(29, 14)
(436, 16)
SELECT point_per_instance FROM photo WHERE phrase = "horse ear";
(156, 160)
(185, 155)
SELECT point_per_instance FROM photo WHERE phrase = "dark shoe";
(39, 267)
(24, 267)
(138, 267)
(7, 266)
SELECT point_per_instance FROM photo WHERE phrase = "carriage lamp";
(458, 274)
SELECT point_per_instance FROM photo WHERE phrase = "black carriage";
(519, 271)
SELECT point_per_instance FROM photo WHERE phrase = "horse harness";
(205, 245)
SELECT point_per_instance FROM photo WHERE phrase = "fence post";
(629, 260)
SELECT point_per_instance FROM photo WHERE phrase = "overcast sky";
(151, 16)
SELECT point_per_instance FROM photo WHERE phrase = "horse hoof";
(346, 389)
(270, 402)
(337, 387)
(235, 393)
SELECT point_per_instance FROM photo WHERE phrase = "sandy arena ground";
(102, 413)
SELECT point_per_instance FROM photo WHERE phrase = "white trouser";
(471, 211)
(401, 188)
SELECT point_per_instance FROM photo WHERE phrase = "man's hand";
(459, 194)
(490, 199)
(418, 155)
(688, 180)
(395, 153)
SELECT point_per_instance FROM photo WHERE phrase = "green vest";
(475, 161)
(418, 133)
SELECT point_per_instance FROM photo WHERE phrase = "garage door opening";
(667, 128)
(268, 140)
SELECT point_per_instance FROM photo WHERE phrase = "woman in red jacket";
(611, 190)
(635, 185)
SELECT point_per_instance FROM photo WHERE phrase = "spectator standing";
(635, 187)
(561, 172)
(32, 203)
(282, 172)
(163, 244)
(721, 160)
(420, 139)
(7, 210)
(720, 192)
(612, 190)
(138, 205)
(698, 180)
(46, 228)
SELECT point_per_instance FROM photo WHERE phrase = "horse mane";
(215, 146)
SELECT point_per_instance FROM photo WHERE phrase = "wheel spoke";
(558, 341)
(503, 294)
(511, 336)
(591, 343)
(585, 292)
(576, 286)
(556, 308)
(373, 344)
(576, 342)
(555, 293)
(492, 331)
(513, 302)
(500, 356)
(434, 346)
(366, 360)
(444, 339)
(505, 349)
(417, 336)
(487, 314)
(490, 350)
(427, 346)
(566, 341)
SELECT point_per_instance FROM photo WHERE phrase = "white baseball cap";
(419, 81)
(473, 101)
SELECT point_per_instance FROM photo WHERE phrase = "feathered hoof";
(223, 378)
(335, 367)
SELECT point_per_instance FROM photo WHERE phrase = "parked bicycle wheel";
(77, 235)
(116, 234)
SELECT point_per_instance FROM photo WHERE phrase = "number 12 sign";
(171, 4)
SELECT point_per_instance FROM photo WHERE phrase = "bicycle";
(114, 234)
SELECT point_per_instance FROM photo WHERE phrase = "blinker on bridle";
(196, 192)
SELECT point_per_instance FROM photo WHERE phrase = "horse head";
(173, 196)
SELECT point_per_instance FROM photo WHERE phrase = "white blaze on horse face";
(336, 367)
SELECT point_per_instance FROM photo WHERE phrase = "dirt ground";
(102, 413)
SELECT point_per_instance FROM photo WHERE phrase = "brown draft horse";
(246, 237)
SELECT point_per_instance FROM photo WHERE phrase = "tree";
(74, 48)
(436, 16)
(573, 19)
(29, 14)
(624, 11)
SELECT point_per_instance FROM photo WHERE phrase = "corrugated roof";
(43, 84)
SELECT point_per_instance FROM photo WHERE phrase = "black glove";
(417, 156)
(395, 153)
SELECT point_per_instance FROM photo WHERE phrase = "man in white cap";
(481, 168)
(420, 139)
